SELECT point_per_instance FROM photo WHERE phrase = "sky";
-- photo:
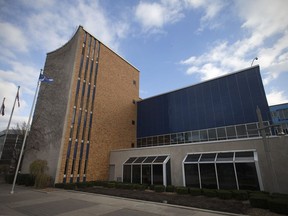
(174, 43)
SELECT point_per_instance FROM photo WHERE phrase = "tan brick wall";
(114, 111)
(112, 114)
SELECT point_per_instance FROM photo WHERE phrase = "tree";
(38, 170)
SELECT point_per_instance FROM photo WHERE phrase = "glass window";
(208, 157)
(127, 173)
(149, 141)
(155, 141)
(146, 174)
(144, 142)
(149, 159)
(226, 176)
(195, 136)
(241, 131)
(203, 135)
(192, 175)
(212, 134)
(139, 142)
(208, 176)
(160, 159)
(160, 140)
(173, 138)
(192, 158)
(139, 160)
(167, 139)
(188, 137)
(247, 176)
(136, 174)
(244, 156)
(225, 156)
(252, 130)
(221, 133)
(130, 160)
(180, 138)
(231, 132)
(157, 174)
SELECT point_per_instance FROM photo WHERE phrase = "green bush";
(240, 195)
(182, 190)
(278, 205)
(209, 192)
(42, 181)
(25, 179)
(70, 186)
(90, 183)
(140, 187)
(195, 191)
(279, 195)
(111, 184)
(159, 188)
(59, 185)
(100, 183)
(38, 170)
(9, 178)
(259, 201)
(170, 188)
(224, 194)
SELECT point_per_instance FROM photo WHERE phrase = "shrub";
(182, 190)
(209, 192)
(59, 185)
(170, 188)
(140, 186)
(111, 184)
(259, 201)
(90, 183)
(9, 178)
(100, 183)
(25, 179)
(159, 188)
(195, 191)
(240, 195)
(42, 181)
(38, 170)
(278, 205)
(279, 195)
(224, 194)
(70, 186)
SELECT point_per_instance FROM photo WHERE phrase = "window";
(134, 82)
(133, 122)
(222, 170)
(147, 170)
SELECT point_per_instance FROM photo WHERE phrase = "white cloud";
(265, 34)
(12, 37)
(276, 97)
(156, 15)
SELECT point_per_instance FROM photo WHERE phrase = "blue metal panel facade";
(227, 100)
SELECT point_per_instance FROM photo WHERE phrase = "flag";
(17, 97)
(3, 108)
(43, 78)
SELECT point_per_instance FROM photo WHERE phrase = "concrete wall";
(278, 151)
(45, 139)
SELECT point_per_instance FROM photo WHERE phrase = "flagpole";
(7, 130)
(26, 133)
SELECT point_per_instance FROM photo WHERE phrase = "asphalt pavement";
(50, 202)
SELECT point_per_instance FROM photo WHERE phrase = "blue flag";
(43, 78)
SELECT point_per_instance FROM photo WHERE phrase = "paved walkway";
(29, 201)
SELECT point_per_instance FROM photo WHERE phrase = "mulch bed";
(211, 203)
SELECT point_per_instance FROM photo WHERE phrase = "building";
(91, 125)
(207, 135)
(10, 150)
(279, 115)
(86, 112)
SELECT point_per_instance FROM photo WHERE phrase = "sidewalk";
(29, 201)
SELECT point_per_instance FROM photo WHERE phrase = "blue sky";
(174, 43)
